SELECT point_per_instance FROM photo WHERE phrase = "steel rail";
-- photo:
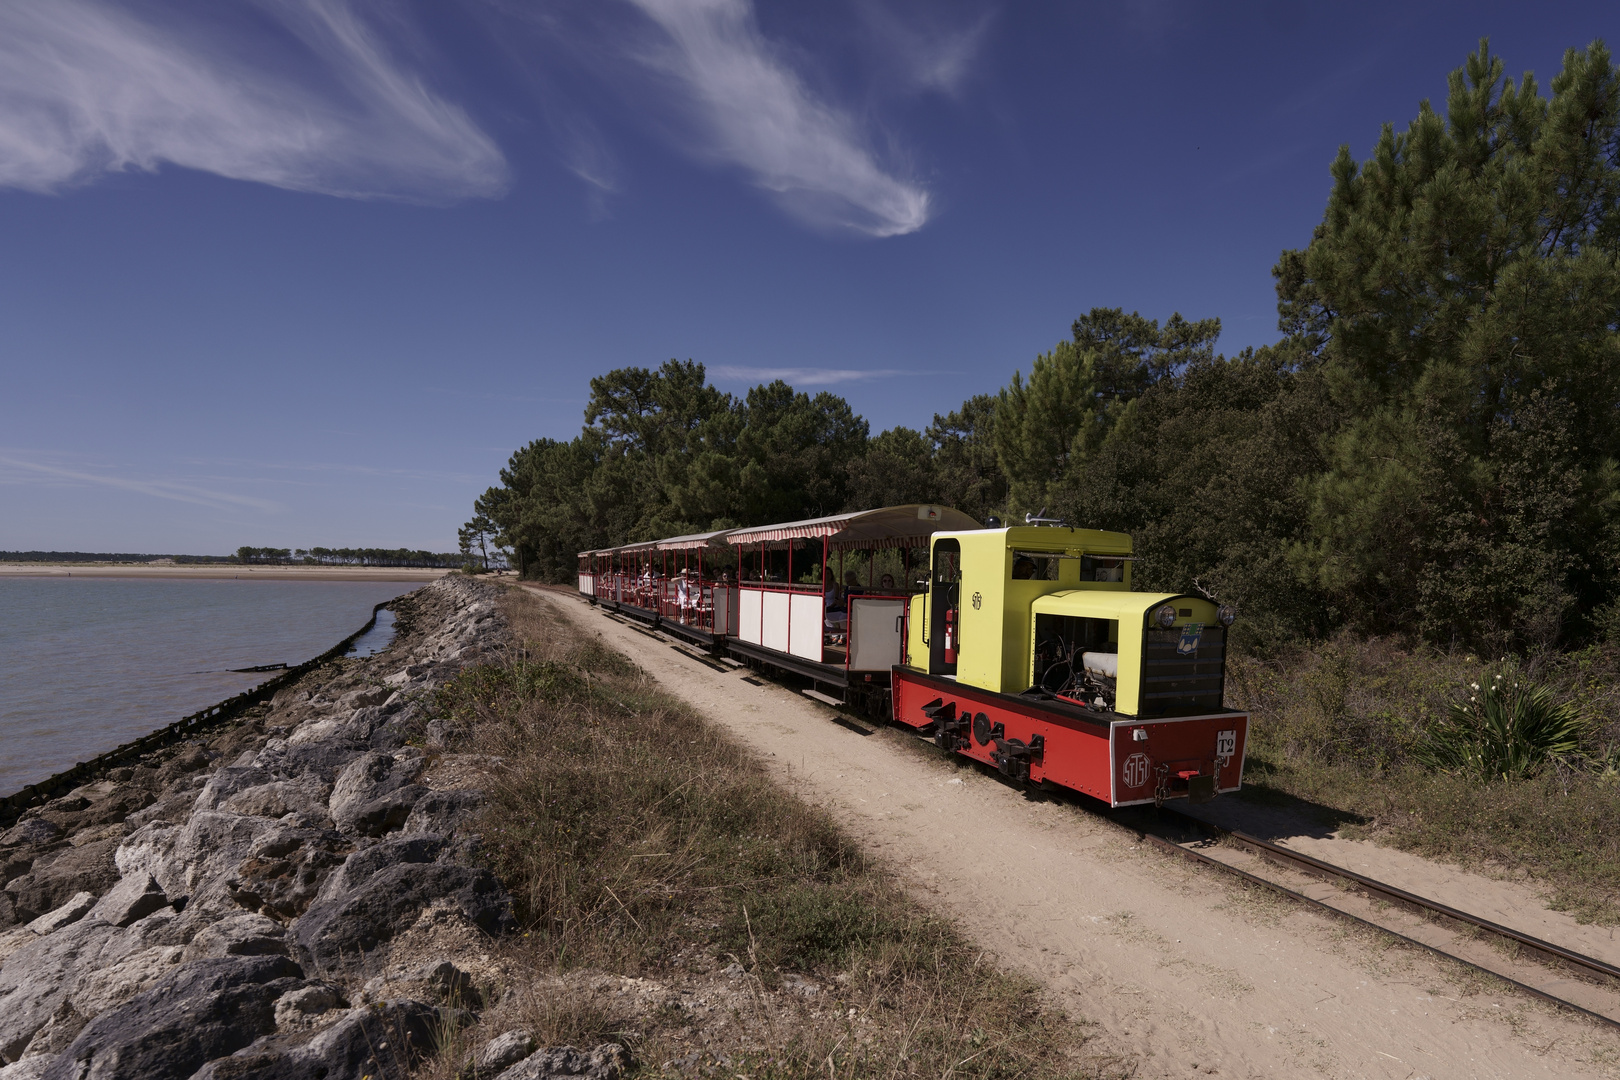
(1593, 969)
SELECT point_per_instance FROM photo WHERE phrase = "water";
(89, 663)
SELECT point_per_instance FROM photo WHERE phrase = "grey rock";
(240, 935)
(385, 1040)
(441, 811)
(35, 980)
(374, 793)
(103, 986)
(384, 814)
(318, 760)
(340, 933)
(282, 797)
(8, 911)
(453, 985)
(58, 1032)
(228, 782)
(285, 870)
(365, 698)
(209, 848)
(504, 1051)
(35, 830)
(134, 898)
(202, 1011)
(48, 885)
(359, 867)
(70, 912)
(28, 1068)
(172, 809)
(609, 1061)
(298, 1006)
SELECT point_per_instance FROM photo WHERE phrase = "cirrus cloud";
(87, 88)
(751, 109)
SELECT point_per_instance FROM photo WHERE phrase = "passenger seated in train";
(1023, 568)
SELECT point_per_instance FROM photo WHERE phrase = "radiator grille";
(1176, 683)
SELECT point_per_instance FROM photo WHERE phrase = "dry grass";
(1334, 733)
(675, 899)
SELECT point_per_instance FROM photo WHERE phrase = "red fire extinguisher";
(950, 635)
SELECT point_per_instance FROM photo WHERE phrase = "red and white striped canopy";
(888, 527)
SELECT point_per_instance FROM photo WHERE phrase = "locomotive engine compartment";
(1077, 659)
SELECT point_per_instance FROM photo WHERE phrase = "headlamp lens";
(1165, 616)
(1227, 615)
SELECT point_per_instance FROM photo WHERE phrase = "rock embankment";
(297, 896)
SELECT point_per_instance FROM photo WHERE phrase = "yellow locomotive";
(1027, 650)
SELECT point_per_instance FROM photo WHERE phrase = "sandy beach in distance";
(221, 571)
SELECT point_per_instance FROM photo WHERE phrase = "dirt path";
(1179, 968)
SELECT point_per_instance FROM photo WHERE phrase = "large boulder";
(53, 880)
(202, 1011)
(282, 797)
(341, 933)
(374, 793)
(383, 1040)
(35, 980)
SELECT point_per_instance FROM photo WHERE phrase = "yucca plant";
(1507, 729)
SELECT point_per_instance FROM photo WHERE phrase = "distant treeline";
(320, 556)
(1431, 446)
(104, 556)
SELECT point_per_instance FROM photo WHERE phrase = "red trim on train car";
(1094, 753)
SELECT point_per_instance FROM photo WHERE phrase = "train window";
(1027, 567)
(1101, 568)
(947, 562)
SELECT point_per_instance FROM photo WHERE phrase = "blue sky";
(303, 272)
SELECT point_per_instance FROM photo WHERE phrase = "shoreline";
(223, 572)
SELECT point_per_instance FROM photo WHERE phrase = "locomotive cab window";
(1101, 568)
(1031, 567)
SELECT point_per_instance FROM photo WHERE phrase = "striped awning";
(888, 527)
(693, 540)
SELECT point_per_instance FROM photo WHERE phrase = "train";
(1023, 647)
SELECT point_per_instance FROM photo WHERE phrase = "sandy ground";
(220, 571)
(1180, 968)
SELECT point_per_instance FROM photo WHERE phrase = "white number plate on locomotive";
(1225, 743)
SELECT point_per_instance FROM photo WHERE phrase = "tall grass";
(638, 839)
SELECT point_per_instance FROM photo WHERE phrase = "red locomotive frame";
(1096, 753)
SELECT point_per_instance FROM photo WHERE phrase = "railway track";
(1540, 968)
(1555, 974)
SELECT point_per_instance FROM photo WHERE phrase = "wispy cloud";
(87, 88)
(924, 51)
(803, 376)
(174, 490)
(754, 111)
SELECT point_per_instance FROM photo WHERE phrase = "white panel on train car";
(748, 615)
(725, 611)
(808, 616)
(776, 621)
(874, 633)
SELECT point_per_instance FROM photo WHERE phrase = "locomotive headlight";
(1227, 615)
(1165, 616)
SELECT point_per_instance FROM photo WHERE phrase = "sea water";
(87, 664)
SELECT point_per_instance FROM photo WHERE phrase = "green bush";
(1508, 729)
